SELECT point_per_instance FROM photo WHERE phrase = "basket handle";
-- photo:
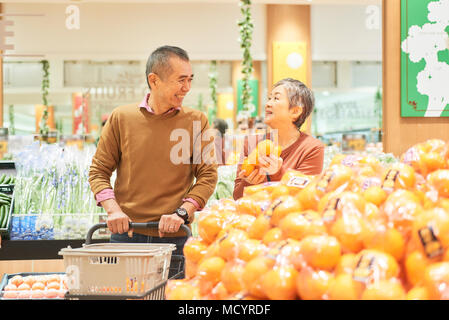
(133, 225)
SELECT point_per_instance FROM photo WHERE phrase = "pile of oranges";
(49, 286)
(359, 230)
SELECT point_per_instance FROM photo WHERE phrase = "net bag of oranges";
(359, 230)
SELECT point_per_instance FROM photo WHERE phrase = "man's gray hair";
(158, 61)
(298, 95)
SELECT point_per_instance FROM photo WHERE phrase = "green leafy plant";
(213, 90)
(378, 111)
(43, 127)
(12, 129)
(246, 30)
(200, 105)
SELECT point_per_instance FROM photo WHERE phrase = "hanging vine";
(246, 30)
(213, 89)
(43, 127)
(12, 128)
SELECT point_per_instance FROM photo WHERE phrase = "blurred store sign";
(353, 142)
(5, 34)
(373, 15)
(72, 21)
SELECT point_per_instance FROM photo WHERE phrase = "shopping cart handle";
(134, 225)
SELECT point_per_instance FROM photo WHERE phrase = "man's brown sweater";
(149, 183)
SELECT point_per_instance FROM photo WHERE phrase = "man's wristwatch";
(182, 213)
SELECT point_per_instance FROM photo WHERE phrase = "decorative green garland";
(43, 127)
(246, 30)
(213, 90)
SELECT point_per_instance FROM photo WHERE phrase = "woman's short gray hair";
(298, 95)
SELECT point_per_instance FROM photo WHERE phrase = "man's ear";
(153, 80)
(295, 112)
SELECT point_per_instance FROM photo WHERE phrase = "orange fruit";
(313, 285)
(398, 176)
(440, 181)
(415, 266)
(372, 213)
(295, 181)
(375, 195)
(374, 264)
(436, 280)
(16, 280)
(209, 225)
(280, 283)
(266, 148)
(249, 249)
(229, 244)
(418, 293)
(29, 280)
(272, 236)
(10, 294)
(248, 167)
(350, 231)
(244, 222)
(334, 177)
(37, 294)
(431, 232)
(23, 286)
(38, 286)
(190, 269)
(24, 294)
(321, 251)
(297, 225)
(195, 249)
(332, 205)
(252, 275)
(384, 239)
(10, 287)
(210, 269)
(346, 264)
(232, 276)
(401, 208)
(384, 290)
(247, 205)
(309, 197)
(181, 290)
(53, 285)
(218, 292)
(345, 288)
(430, 162)
(280, 191)
(281, 207)
(260, 227)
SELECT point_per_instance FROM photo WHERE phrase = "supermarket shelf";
(38, 249)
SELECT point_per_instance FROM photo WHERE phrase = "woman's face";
(278, 113)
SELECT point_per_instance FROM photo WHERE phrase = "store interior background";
(107, 56)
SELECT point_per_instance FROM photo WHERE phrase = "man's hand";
(169, 223)
(118, 221)
(255, 177)
(270, 165)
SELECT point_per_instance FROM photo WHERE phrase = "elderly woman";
(288, 106)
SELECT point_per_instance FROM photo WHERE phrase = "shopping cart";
(121, 270)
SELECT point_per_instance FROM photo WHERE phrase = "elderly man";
(138, 142)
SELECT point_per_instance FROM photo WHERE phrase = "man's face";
(177, 82)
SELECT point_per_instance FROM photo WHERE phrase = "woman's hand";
(256, 177)
(270, 165)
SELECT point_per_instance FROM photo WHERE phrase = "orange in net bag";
(428, 156)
